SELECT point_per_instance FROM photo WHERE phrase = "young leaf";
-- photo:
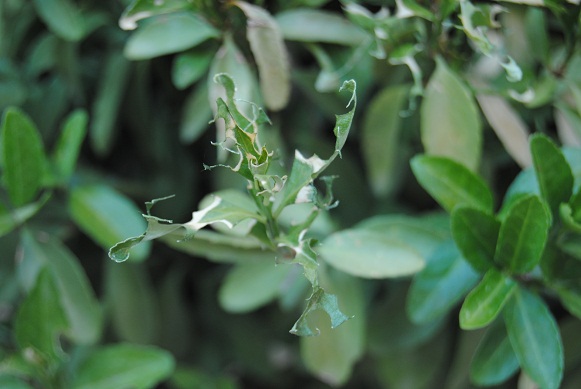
(370, 254)
(124, 366)
(494, 360)
(168, 34)
(534, 336)
(475, 233)
(380, 138)
(451, 184)
(69, 144)
(23, 159)
(450, 123)
(269, 50)
(62, 18)
(552, 170)
(523, 235)
(441, 285)
(486, 300)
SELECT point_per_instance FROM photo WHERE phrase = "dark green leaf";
(441, 285)
(552, 170)
(475, 233)
(167, 34)
(486, 300)
(62, 17)
(451, 184)
(69, 144)
(494, 360)
(9, 220)
(190, 66)
(124, 366)
(523, 235)
(570, 296)
(535, 338)
(450, 122)
(23, 159)
(8, 382)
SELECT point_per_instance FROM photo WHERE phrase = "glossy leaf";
(23, 159)
(494, 360)
(168, 34)
(124, 366)
(370, 254)
(381, 139)
(69, 144)
(552, 170)
(475, 233)
(312, 25)
(106, 216)
(250, 286)
(190, 66)
(486, 300)
(523, 235)
(62, 17)
(451, 184)
(440, 286)
(535, 338)
(269, 50)
(450, 122)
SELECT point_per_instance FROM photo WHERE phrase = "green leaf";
(440, 286)
(23, 159)
(450, 122)
(486, 300)
(380, 139)
(106, 216)
(552, 170)
(312, 25)
(451, 184)
(108, 102)
(251, 286)
(124, 366)
(267, 45)
(319, 300)
(9, 220)
(62, 18)
(141, 9)
(570, 296)
(8, 382)
(535, 338)
(76, 295)
(196, 114)
(523, 235)
(494, 360)
(370, 254)
(167, 34)
(69, 144)
(190, 66)
(40, 320)
(475, 233)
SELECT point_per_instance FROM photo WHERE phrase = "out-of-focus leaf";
(196, 114)
(523, 235)
(332, 354)
(69, 144)
(106, 216)
(370, 254)
(552, 170)
(450, 123)
(40, 320)
(568, 125)
(311, 25)
(536, 29)
(22, 157)
(77, 298)
(494, 360)
(250, 286)
(475, 233)
(508, 126)
(167, 34)
(380, 139)
(486, 300)
(270, 54)
(535, 338)
(43, 55)
(63, 18)
(190, 66)
(570, 296)
(9, 220)
(132, 303)
(410, 8)
(107, 103)
(451, 184)
(441, 285)
(141, 9)
(9, 382)
(124, 366)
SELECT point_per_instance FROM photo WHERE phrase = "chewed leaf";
(319, 300)
(343, 122)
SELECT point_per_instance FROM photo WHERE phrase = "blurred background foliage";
(107, 104)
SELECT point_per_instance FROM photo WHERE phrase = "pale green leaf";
(450, 122)
(68, 147)
(141, 9)
(63, 18)
(319, 300)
